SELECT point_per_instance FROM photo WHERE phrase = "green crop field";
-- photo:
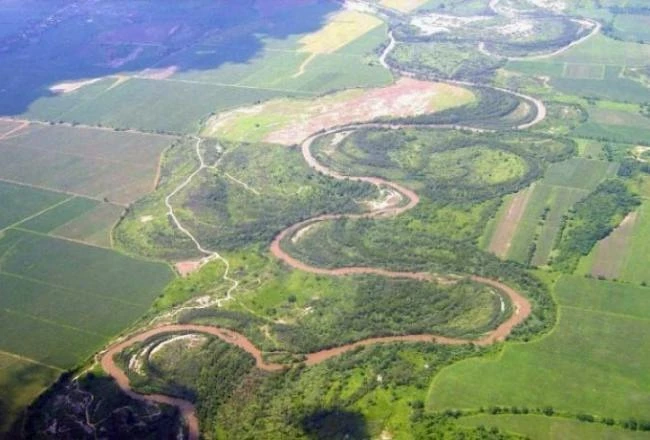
(628, 260)
(603, 50)
(563, 185)
(93, 227)
(632, 27)
(592, 362)
(61, 301)
(59, 214)
(635, 268)
(95, 163)
(584, 71)
(184, 104)
(551, 428)
(594, 69)
(615, 122)
(19, 202)
(21, 381)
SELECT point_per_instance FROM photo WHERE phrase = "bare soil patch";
(72, 86)
(158, 73)
(185, 268)
(505, 230)
(407, 97)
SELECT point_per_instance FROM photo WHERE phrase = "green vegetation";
(445, 165)
(589, 363)
(59, 215)
(564, 184)
(634, 269)
(445, 60)
(592, 219)
(203, 370)
(542, 427)
(225, 212)
(21, 202)
(380, 307)
(575, 368)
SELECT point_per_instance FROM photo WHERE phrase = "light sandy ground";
(146, 218)
(402, 5)
(505, 231)
(342, 28)
(188, 341)
(158, 73)
(69, 87)
(287, 121)
(519, 28)
(430, 24)
(553, 5)
(638, 151)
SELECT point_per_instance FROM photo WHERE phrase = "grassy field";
(563, 185)
(550, 428)
(592, 362)
(635, 269)
(623, 255)
(100, 164)
(615, 122)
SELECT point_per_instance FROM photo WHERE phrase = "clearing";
(403, 5)
(511, 215)
(288, 122)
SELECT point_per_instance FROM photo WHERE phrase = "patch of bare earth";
(407, 97)
(158, 73)
(610, 252)
(72, 86)
(185, 268)
(505, 231)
